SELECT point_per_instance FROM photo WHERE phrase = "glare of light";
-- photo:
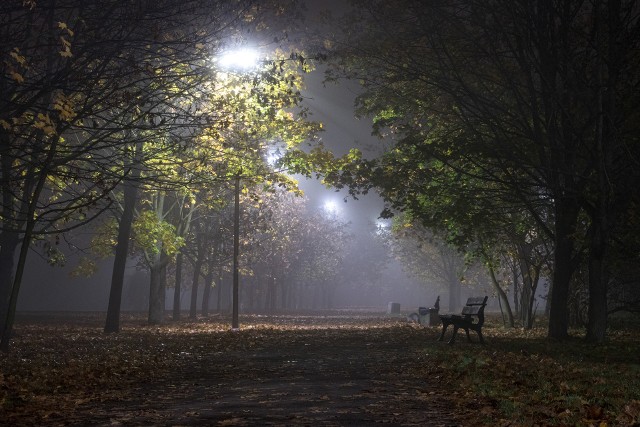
(382, 227)
(273, 156)
(241, 59)
(330, 206)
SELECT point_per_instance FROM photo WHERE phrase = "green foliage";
(153, 235)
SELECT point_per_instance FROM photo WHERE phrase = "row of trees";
(515, 129)
(289, 256)
(117, 114)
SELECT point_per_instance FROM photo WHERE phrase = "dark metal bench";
(472, 318)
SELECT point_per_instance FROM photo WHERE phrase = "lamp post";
(241, 60)
(235, 324)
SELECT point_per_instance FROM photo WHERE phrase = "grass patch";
(520, 377)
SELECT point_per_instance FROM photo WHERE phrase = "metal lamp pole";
(235, 324)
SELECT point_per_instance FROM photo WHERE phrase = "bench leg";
(453, 336)
(444, 329)
(480, 336)
(468, 337)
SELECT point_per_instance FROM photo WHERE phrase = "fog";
(50, 288)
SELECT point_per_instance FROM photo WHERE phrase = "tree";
(511, 95)
(65, 108)
(83, 84)
(433, 261)
(213, 115)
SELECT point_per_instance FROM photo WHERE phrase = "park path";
(340, 377)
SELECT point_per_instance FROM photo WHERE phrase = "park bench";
(472, 317)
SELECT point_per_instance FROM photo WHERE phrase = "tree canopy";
(503, 112)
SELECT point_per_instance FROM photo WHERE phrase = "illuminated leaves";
(64, 106)
(16, 65)
(64, 40)
(16, 76)
(154, 235)
(45, 124)
(63, 26)
(86, 268)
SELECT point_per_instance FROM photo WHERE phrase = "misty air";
(305, 212)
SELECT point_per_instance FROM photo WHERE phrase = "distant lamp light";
(273, 156)
(241, 59)
(382, 226)
(381, 223)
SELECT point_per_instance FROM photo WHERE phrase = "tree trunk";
(206, 294)
(30, 222)
(563, 267)
(112, 324)
(15, 289)
(530, 274)
(504, 298)
(193, 309)
(219, 286)
(273, 294)
(535, 280)
(454, 294)
(157, 264)
(608, 64)
(178, 288)
(156, 307)
(9, 237)
(130, 190)
(8, 244)
(547, 303)
(22, 258)
(598, 285)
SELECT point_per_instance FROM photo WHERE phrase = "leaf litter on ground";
(63, 370)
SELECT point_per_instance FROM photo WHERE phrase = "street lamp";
(239, 60)
(242, 60)
(331, 207)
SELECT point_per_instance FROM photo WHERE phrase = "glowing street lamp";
(239, 60)
(331, 207)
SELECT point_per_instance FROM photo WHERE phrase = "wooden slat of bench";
(472, 310)
(476, 301)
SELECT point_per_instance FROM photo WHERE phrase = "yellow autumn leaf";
(64, 106)
(17, 56)
(66, 48)
(44, 123)
(17, 77)
(63, 26)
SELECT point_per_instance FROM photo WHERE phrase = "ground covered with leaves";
(333, 368)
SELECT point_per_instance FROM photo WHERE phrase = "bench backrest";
(475, 307)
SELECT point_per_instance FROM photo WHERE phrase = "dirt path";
(338, 377)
